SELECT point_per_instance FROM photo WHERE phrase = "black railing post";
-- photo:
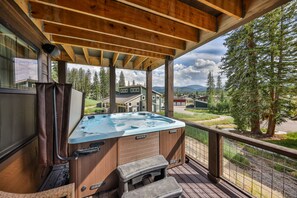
(215, 156)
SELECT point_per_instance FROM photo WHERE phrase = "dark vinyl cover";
(45, 120)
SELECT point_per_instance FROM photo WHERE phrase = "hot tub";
(99, 127)
(118, 139)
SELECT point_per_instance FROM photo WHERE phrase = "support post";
(169, 91)
(215, 157)
(112, 90)
(62, 72)
(149, 89)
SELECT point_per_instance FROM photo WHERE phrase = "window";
(143, 97)
(130, 104)
(137, 103)
(18, 62)
(123, 90)
(18, 70)
(153, 97)
(134, 90)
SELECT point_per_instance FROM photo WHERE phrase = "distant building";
(133, 98)
(200, 104)
(202, 98)
(182, 101)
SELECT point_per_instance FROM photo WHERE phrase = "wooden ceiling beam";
(125, 14)
(115, 58)
(86, 54)
(138, 61)
(69, 51)
(80, 59)
(57, 29)
(95, 45)
(177, 11)
(90, 23)
(149, 62)
(232, 8)
(127, 59)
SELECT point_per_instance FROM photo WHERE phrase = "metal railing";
(259, 168)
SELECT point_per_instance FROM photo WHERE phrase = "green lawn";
(93, 110)
(226, 121)
(90, 102)
(289, 140)
(195, 117)
(198, 110)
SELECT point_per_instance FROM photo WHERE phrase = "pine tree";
(278, 60)
(73, 78)
(240, 66)
(210, 84)
(122, 80)
(219, 85)
(96, 87)
(81, 79)
(87, 83)
(104, 85)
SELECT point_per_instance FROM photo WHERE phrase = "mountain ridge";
(182, 89)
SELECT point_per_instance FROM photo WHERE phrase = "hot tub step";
(167, 187)
(134, 172)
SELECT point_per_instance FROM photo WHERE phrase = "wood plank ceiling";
(137, 34)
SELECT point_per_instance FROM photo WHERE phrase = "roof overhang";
(137, 34)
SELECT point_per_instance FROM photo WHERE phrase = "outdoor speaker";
(50, 49)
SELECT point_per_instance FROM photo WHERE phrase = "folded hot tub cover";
(45, 120)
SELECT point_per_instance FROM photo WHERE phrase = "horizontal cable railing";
(259, 168)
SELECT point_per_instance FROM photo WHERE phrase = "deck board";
(193, 179)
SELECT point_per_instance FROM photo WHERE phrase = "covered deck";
(142, 35)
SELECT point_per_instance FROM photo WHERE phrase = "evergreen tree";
(104, 85)
(87, 83)
(122, 80)
(278, 60)
(73, 78)
(95, 87)
(240, 66)
(81, 80)
(219, 85)
(210, 84)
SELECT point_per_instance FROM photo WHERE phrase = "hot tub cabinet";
(95, 172)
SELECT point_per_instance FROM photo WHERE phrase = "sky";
(189, 69)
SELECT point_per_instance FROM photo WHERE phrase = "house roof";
(123, 98)
(136, 34)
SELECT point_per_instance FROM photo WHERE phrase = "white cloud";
(195, 74)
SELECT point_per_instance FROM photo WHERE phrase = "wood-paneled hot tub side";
(172, 146)
(97, 172)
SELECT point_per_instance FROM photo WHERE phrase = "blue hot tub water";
(98, 127)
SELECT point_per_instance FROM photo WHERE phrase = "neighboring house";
(182, 101)
(133, 98)
(202, 98)
(200, 104)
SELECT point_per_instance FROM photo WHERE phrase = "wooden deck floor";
(193, 179)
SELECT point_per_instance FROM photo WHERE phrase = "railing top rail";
(292, 153)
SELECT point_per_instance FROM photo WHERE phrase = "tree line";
(217, 102)
(261, 67)
(95, 87)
